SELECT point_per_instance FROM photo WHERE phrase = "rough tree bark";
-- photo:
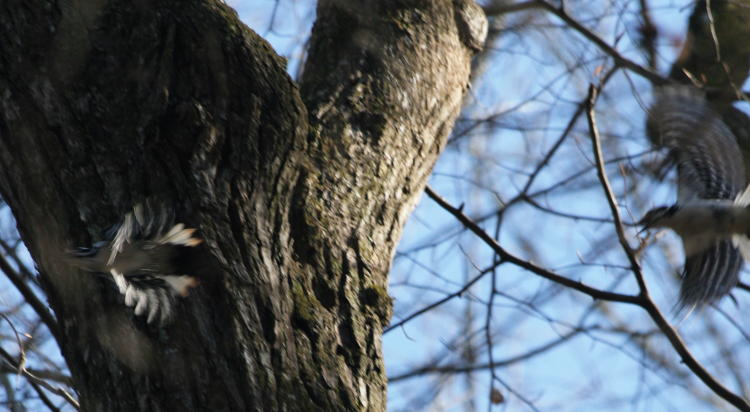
(300, 197)
(716, 57)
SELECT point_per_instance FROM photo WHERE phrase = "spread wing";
(709, 163)
(140, 260)
(709, 166)
(710, 274)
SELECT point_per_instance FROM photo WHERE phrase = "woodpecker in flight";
(140, 256)
(711, 214)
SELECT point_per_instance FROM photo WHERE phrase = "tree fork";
(300, 197)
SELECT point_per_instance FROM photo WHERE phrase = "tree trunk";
(300, 197)
(716, 57)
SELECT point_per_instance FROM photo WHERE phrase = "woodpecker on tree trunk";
(139, 255)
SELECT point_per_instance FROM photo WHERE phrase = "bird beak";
(645, 225)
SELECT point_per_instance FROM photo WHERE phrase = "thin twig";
(691, 362)
(568, 129)
(35, 380)
(31, 298)
(715, 39)
(611, 201)
(43, 396)
(501, 7)
(430, 369)
(45, 374)
(12, 252)
(648, 32)
(439, 302)
(506, 256)
(604, 46)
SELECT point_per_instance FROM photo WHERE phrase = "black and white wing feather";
(709, 163)
(140, 255)
(709, 167)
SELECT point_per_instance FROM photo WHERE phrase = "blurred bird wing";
(743, 199)
(124, 235)
(181, 284)
(706, 172)
(180, 236)
(742, 242)
(709, 163)
(119, 278)
(709, 273)
(697, 244)
(709, 166)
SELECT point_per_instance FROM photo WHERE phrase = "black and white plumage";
(139, 254)
(711, 214)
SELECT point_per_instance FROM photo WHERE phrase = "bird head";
(656, 216)
(87, 252)
(88, 258)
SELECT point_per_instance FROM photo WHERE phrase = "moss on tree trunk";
(300, 197)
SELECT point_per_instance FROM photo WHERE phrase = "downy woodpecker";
(711, 214)
(139, 254)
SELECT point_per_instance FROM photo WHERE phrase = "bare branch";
(31, 298)
(619, 59)
(454, 369)
(505, 256)
(439, 302)
(35, 380)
